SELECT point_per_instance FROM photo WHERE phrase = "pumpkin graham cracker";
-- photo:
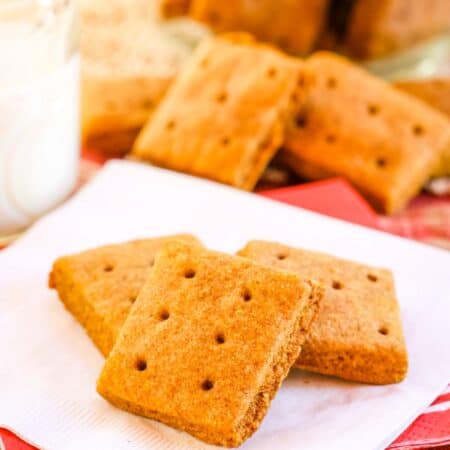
(293, 25)
(385, 142)
(224, 116)
(208, 342)
(377, 28)
(173, 8)
(435, 92)
(99, 286)
(357, 334)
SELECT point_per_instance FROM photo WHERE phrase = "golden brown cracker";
(99, 286)
(357, 334)
(294, 25)
(114, 109)
(115, 144)
(386, 143)
(174, 8)
(224, 117)
(379, 27)
(208, 342)
(435, 92)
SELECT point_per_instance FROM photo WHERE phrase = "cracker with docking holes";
(99, 286)
(357, 334)
(294, 25)
(208, 342)
(435, 92)
(224, 116)
(352, 124)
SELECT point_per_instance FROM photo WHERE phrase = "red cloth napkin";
(427, 219)
(333, 197)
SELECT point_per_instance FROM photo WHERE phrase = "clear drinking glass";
(39, 108)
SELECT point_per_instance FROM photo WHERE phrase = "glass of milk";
(39, 108)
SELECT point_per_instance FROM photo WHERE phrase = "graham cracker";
(435, 92)
(99, 286)
(173, 8)
(115, 144)
(224, 116)
(352, 124)
(128, 60)
(208, 342)
(379, 27)
(114, 109)
(357, 334)
(294, 25)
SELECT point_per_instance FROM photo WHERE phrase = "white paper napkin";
(48, 366)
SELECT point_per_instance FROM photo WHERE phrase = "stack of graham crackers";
(201, 340)
(237, 103)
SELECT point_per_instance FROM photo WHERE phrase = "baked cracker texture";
(208, 342)
(294, 25)
(379, 27)
(99, 286)
(173, 8)
(352, 124)
(357, 334)
(127, 63)
(435, 92)
(114, 109)
(224, 116)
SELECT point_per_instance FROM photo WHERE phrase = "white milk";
(39, 112)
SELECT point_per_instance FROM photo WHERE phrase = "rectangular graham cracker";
(294, 25)
(224, 117)
(99, 286)
(208, 342)
(352, 124)
(357, 334)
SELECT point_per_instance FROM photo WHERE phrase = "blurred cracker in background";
(435, 92)
(378, 27)
(174, 8)
(293, 25)
(128, 62)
